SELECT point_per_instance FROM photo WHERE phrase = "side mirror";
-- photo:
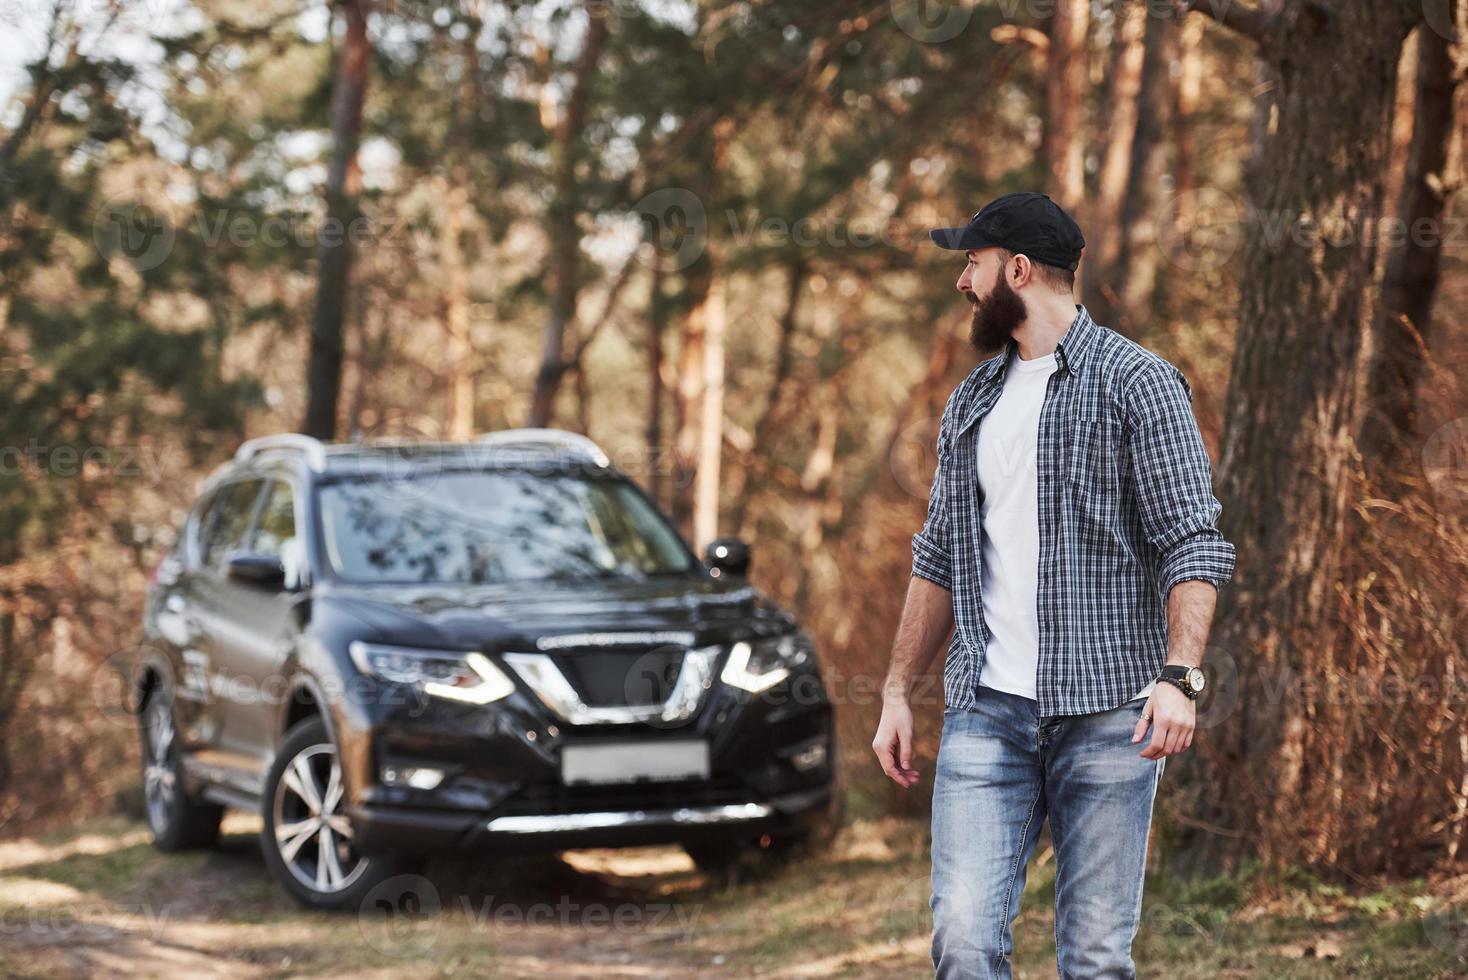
(727, 557)
(261, 571)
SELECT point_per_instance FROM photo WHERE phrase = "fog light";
(418, 777)
(813, 756)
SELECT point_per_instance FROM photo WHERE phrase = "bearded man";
(1071, 549)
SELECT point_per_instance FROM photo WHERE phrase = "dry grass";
(99, 902)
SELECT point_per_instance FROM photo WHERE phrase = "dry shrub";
(1395, 742)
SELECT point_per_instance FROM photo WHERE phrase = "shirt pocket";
(1093, 465)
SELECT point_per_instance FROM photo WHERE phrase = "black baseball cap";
(1024, 222)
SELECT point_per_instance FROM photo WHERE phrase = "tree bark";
(1189, 93)
(711, 414)
(343, 182)
(1292, 408)
(656, 310)
(1403, 334)
(1116, 158)
(458, 204)
(689, 393)
(757, 459)
(562, 230)
(1063, 147)
(460, 347)
(1135, 280)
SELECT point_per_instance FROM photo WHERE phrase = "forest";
(696, 231)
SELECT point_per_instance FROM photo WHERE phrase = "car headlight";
(468, 677)
(759, 665)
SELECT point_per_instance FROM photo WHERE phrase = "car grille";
(622, 678)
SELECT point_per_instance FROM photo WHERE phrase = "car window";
(227, 520)
(275, 532)
(494, 527)
(198, 524)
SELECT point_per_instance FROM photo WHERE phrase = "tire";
(178, 821)
(302, 805)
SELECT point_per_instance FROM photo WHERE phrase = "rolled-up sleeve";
(932, 555)
(1174, 480)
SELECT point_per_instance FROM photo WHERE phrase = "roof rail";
(313, 449)
(546, 439)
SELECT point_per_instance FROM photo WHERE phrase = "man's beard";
(996, 317)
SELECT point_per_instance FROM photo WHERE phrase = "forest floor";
(98, 901)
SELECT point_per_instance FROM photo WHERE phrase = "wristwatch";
(1189, 680)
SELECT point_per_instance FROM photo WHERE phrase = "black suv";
(387, 650)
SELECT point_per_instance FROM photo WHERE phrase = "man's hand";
(1174, 717)
(893, 743)
(927, 619)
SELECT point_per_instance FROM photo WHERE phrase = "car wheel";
(308, 838)
(178, 821)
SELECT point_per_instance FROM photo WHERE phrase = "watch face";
(1196, 679)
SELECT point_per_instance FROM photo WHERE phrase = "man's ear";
(1022, 271)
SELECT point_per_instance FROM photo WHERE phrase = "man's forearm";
(927, 620)
(1189, 617)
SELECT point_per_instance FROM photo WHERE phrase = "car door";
(209, 668)
(177, 630)
(257, 631)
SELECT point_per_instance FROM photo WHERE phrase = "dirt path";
(101, 902)
(104, 904)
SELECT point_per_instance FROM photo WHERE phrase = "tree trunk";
(1189, 93)
(711, 414)
(1403, 334)
(343, 182)
(1065, 89)
(1136, 269)
(562, 230)
(1292, 409)
(656, 309)
(1104, 221)
(689, 394)
(460, 347)
(757, 460)
(458, 196)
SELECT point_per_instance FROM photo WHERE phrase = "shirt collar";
(1070, 353)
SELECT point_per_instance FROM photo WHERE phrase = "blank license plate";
(631, 762)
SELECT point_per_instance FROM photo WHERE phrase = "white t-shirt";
(1010, 515)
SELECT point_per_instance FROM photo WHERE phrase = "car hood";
(561, 615)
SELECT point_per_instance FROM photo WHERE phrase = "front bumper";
(501, 785)
(398, 829)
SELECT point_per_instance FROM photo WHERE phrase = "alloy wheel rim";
(160, 782)
(312, 834)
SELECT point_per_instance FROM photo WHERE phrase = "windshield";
(491, 527)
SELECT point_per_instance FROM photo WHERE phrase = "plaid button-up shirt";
(1126, 511)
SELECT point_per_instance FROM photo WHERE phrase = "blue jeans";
(1002, 769)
